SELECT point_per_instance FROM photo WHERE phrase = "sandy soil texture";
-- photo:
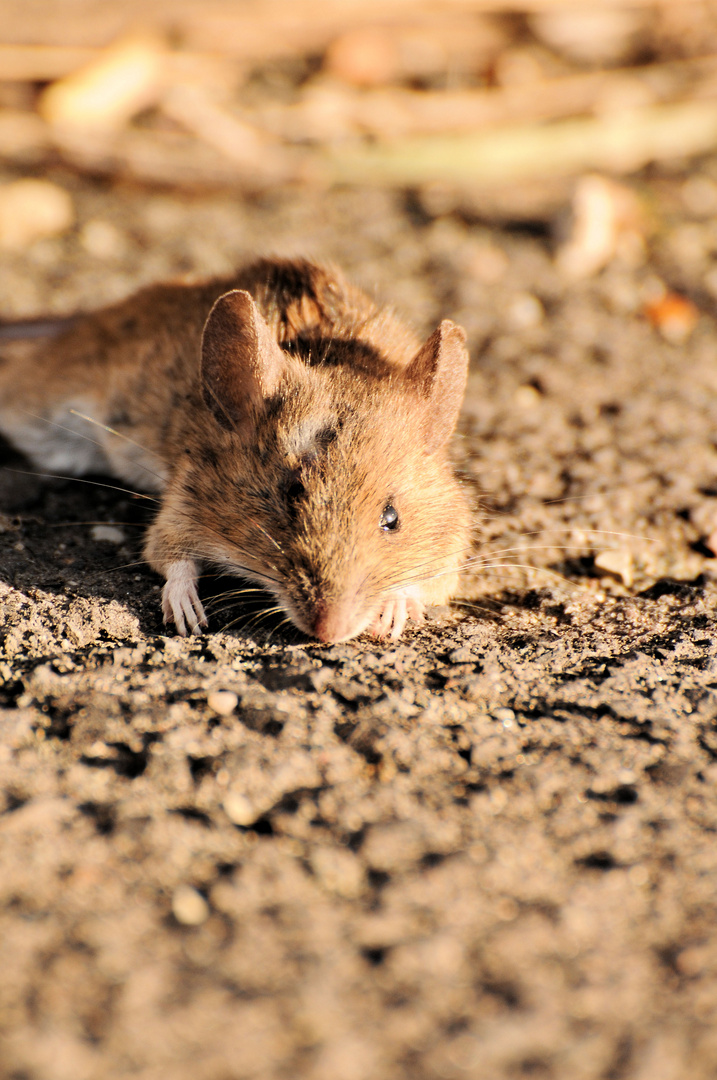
(487, 851)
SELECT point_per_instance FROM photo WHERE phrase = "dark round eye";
(389, 519)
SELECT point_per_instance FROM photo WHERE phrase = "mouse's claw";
(394, 614)
(180, 599)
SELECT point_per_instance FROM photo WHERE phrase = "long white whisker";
(88, 438)
(220, 603)
(119, 434)
(265, 613)
(472, 606)
(81, 480)
(112, 521)
(535, 570)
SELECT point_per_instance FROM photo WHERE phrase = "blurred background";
(536, 113)
(491, 105)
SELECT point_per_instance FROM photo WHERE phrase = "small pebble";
(506, 716)
(608, 220)
(674, 316)
(525, 312)
(527, 397)
(223, 702)
(239, 809)
(109, 533)
(102, 239)
(189, 906)
(99, 750)
(693, 960)
(363, 57)
(618, 562)
(321, 678)
(589, 33)
(461, 656)
(31, 210)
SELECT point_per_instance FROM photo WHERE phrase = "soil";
(486, 851)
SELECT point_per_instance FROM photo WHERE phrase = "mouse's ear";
(438, 372)
(241, 364)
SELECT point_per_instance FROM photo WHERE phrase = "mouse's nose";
(332, 621)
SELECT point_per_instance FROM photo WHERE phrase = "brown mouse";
(296, 431)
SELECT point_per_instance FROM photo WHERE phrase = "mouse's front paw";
(393, 615)
(180, 600)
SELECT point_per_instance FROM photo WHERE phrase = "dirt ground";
(484, 852)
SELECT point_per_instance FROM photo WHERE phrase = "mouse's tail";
(24, 329)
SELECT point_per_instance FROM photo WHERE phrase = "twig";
(156, 158)
(394, 112)
(253, 151)
(619, 143)
(45, 63)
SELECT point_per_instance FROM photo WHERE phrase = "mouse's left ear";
(241, 366)
(438, 372)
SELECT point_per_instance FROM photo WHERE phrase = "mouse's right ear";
(439, 372)
(241, 364)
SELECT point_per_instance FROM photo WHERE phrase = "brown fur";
(311, 412)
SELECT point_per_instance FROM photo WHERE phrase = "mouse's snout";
(332, 621)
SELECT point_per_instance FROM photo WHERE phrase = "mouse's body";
(297, 435)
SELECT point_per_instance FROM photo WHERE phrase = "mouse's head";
(333, 487)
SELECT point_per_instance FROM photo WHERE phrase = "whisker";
(234, 569)
(484, 560)
(473, 606)
(228, 599)
(591, 495)
(235, 592)
(229, 605)
(433, 576)
(435, 567)
(119, 434)
(535, 570)
(122, 566)
(284, 622)
(29, 329)
(589, 533)
(71, 524)
(81, 480)
(114, 487)
(264, 613)
(143, 562)
(88, 438)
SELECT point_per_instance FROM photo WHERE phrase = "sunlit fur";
(326, 547)
(345, 424)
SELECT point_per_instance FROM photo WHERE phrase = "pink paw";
(180, 600)
(393, 615)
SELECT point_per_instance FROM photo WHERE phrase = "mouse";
(295, 432)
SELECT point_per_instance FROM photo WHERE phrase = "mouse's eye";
(389, 519)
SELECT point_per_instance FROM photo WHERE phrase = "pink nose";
(330, 622)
